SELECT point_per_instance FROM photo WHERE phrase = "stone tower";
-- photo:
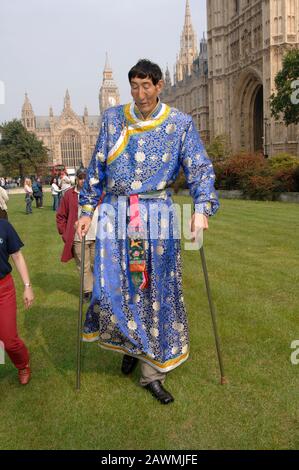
(246, 43)
(109, 94)
(67, 101)
(28, 117)
(188, 51)
(167, 79)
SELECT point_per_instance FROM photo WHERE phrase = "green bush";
(285, 180)
(219, 149)
(235, 171)
(259, 187)
(296, 178)
(283, 161)
(256, 176)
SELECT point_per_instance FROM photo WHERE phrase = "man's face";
(145, 93)
(80, 182)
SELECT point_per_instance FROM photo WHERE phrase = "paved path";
(46, 189)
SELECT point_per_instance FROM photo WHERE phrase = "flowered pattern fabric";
(133, 156)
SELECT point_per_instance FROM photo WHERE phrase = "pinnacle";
(187, 13)
(107, 64)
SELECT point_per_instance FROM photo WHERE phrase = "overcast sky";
(47, 46)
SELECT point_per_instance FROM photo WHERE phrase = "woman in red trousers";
(10, 245)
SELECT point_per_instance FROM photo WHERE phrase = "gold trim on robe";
(137, 126)
(165, 367)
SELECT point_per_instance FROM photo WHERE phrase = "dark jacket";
(37, 189)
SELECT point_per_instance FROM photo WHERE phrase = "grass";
(252, 256)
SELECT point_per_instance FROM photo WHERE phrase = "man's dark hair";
(146, 69)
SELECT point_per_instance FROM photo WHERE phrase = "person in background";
(37, 193)
(3, 200)
(55, 193)
(64, 182)
(67, 215)
(40, 186)
(28, 195)
(16, 349)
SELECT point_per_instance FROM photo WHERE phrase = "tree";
(219, 149)
(20, 151)
(286, 99)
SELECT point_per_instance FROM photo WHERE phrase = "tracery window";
(71, 149)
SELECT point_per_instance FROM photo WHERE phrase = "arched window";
(71, 151)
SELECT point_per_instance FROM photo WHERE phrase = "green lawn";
(252, 257)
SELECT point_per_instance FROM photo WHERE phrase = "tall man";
(137, 306)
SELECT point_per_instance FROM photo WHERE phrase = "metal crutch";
(79, 335)
(223, 380)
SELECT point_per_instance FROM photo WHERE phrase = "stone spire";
(85, 117)
(188, 52)
(203, 56)
(27, 107)
(167, 78)
(67, 100)
(203, 47)
(109, 94)
(187, 12)
(107, 73)
(107, 68)
(28, 118)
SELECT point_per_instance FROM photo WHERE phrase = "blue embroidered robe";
(135, 156)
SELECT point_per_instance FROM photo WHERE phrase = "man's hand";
(82, 226)
(198, 222)
(28, 296)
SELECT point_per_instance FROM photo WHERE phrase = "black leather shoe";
(157, 390)
(128, 365)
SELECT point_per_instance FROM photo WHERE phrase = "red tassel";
(145, 282)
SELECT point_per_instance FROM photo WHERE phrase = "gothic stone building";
(228, 91)
(189, 91)
(69, 137)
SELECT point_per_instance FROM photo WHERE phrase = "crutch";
(223, 379)
(79, 336)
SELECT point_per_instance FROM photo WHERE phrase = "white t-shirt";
(3, 199)
(65, 183)
(28, 189)
(55, 189)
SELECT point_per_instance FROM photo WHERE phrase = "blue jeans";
(55, 202)
(28, 204)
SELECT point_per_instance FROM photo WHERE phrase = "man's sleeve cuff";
(87, 209)
(203, 208)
